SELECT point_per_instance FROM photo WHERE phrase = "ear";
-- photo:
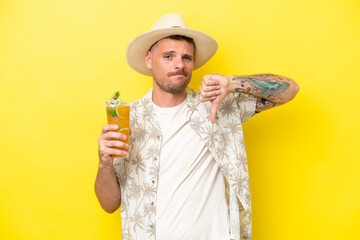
(148, 60)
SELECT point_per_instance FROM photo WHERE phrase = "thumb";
(214, 108)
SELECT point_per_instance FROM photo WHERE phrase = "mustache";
(179, 72)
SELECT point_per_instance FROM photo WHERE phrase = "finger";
(114, 135)
(104, 152)
(108, 152)
(213, 112)
(210, 94)
(210, 88)
(130, 132)
(117, 152)
(114, 143)
(110, 127)
(207, 99)
(208, 81)
(120, 153)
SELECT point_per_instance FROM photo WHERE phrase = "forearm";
(107, 189)
(275, 88)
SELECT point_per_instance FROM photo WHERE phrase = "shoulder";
(191, 93)
(142, 103)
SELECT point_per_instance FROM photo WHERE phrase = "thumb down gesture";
(214, 88)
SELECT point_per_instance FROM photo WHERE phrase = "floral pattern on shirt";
(138, 173)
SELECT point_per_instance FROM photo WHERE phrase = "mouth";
(178, 77)
(178, 74)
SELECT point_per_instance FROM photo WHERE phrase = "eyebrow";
(171, 52)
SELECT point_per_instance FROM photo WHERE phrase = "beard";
(171, 86)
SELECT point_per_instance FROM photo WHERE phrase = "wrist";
(231, 86)
(235, 86)
(105, 165)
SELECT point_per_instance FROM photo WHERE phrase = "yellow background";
(60, 61)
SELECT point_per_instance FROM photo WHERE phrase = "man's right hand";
(109, 145)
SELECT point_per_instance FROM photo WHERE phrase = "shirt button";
(152, 203)
(152, 226)
(153, 181)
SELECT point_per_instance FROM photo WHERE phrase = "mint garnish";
(116, 95)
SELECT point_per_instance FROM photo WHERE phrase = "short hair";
(177, 37)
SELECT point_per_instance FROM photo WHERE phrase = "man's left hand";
(214, 88)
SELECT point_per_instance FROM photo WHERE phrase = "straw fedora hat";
(170, 24)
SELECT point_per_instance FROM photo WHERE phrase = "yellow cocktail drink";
(118, 113)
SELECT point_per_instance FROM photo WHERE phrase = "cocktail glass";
(118, 113)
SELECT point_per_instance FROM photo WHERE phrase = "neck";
(166, 99)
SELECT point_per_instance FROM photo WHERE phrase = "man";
(186, 174)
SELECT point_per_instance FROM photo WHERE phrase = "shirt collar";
(148, 109)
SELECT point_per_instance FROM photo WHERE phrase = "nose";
(179, 63)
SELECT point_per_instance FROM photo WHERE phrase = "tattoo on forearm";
(263, 104)
(265, 85)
